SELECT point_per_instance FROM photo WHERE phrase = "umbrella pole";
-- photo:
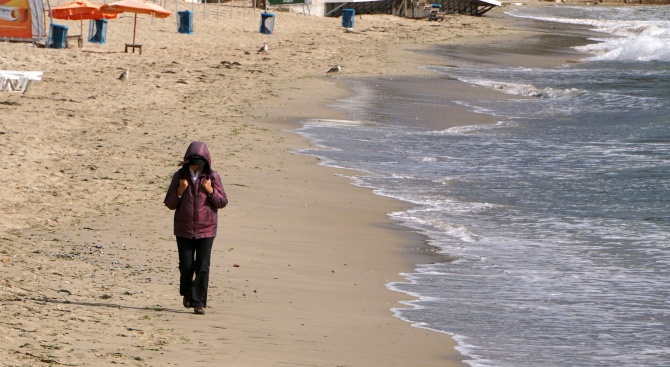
(134, 28)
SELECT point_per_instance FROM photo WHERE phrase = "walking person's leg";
(203, 252)
(187, 250)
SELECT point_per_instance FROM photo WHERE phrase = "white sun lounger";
(18, 81)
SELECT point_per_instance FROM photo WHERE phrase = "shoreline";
(417, 251)
(88, 250)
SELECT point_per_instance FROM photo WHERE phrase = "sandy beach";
(302, 256)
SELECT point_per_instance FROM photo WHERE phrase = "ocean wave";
(332, 123)
(525, 90)
(470, 129)
(639, 36)
(640, 48)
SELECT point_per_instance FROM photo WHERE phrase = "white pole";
(218, 9)
(204, 10)
(231, 9)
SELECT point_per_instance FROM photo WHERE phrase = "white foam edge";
(462, 347)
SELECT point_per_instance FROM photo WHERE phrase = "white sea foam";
(333, 123)
(462, 345)
(472, 129)
(639, 48)
(418, 218)
(640, 36)
(524, 90)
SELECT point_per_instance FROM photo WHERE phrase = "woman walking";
(195, 194)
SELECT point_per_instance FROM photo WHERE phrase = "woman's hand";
(207, 185)
(183, 185)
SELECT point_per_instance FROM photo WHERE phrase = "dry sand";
(89, 264)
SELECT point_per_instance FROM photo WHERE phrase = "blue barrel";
(58, 36)
(97, 31)
(267, 23)
(185, 22)
(348, 18)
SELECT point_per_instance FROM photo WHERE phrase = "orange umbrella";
(137, 7)
(80, 10)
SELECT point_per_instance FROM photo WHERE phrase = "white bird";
(334, 69)
(263, 48)
(124, 76)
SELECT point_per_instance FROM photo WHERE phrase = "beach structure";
(468, 7)
(22, 21)
(436, 9)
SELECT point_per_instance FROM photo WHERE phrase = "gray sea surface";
(553, 218)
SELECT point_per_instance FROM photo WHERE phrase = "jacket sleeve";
(219, 198)
(171, 199)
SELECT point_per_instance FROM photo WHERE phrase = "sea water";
(553, 224)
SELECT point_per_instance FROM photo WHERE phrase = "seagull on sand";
(263, 48)
(334, 69)
(124, 76)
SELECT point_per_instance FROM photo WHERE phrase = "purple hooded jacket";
(195, 213)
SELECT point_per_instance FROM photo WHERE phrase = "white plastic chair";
(18, 81)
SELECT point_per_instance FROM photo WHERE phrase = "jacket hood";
(200, 149)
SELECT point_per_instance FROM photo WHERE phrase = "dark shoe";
(187, 302)
(198, 310)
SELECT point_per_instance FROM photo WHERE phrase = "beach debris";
(125, 75)
(263, 48)
(228, 64)
(236, 265)
(334, 69)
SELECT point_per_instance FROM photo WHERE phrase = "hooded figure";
(195, 194)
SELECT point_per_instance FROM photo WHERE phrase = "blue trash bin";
(185, 22)
(58, 37)
(97, 31)
(348, 18)
(267, 23)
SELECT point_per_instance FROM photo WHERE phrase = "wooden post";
(134, 28)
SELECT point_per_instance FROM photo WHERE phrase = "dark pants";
(194, 257)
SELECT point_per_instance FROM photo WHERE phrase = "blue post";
(348, 18)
